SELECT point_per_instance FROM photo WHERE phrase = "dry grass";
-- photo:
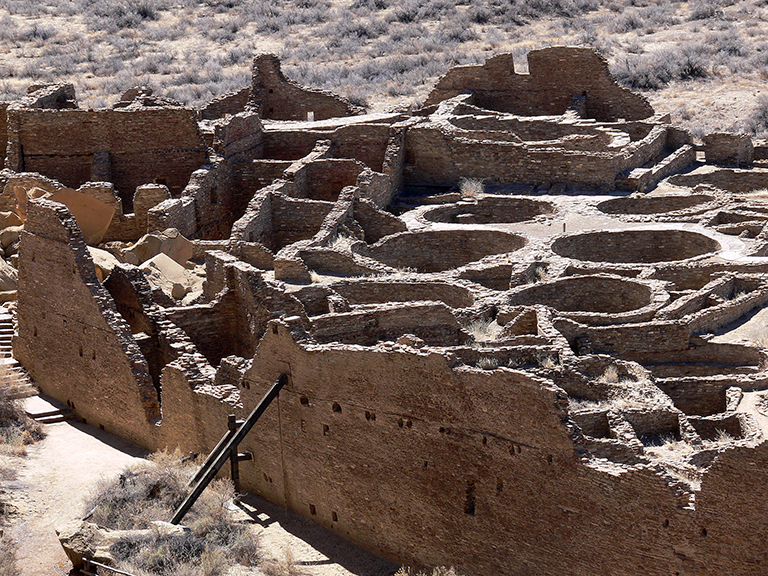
(17, 430)
(471, 187)
(8, 565)
(439, 571)
(385, 51)
(486, 363)
(283, 566)
(151, 491)
(483, 330)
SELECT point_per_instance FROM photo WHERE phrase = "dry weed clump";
(471, 187)
(283, 566)
(8, 565)
(152, 491)
(438, 571)
(17, 430)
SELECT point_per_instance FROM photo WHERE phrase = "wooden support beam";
(212, 465)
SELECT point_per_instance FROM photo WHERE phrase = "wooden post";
(209, 470)
(233, 459)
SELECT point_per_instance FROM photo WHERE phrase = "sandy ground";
(60, 471)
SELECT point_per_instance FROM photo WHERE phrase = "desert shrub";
(705, 9)
(656, 69)
(138, 496)
(8, 565)
(17, 430)
(757, 122)
(152, 491)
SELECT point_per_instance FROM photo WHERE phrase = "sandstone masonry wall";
(147, 145)
(555, 76)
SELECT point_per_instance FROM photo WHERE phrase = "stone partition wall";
(278, 98)
(473, 474)
(100, 371)
(161, 145)
(230, 103)
(434, 155)
(363, 141)
(555, 76)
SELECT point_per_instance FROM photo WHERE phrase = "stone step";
(53, 416)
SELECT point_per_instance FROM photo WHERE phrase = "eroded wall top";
(557, 75)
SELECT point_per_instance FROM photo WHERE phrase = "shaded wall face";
(427, 466)
(142, 146)
(71, 338)
(366, 143)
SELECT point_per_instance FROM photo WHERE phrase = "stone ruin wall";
(408, 448)
(98, 353)
(315, 457)
(278, 98)
(162, 145)
(556, 75)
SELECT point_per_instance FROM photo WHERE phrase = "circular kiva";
(652, 204)
(489, 210)
(438, 250)
(635, 246)
(596, 294)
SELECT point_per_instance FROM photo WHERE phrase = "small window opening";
(312, 510)
(326, 429)
(400, 422)
(499, 484)
(214, 195)
(469, 501)
(370, 416)
(485, 440)
(81, 351)
(703, 532)
(34, 331)
(334, 517)
(304, 400)
(274, 329)
(336, 407)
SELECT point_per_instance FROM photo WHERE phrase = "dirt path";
(60, 471)
(51, 484)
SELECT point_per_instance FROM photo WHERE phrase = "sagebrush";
(152, 491)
